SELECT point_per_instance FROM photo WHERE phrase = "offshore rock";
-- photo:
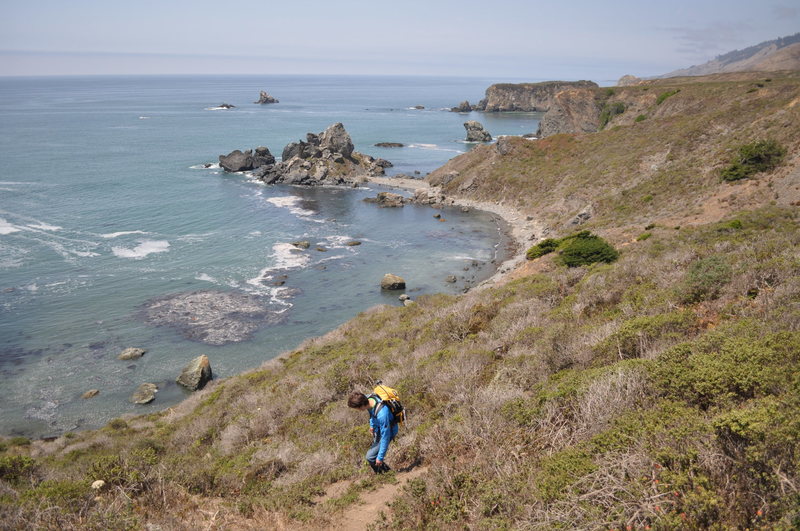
(131, 354)
(464, 106)
(213, 317)
(196, 374)
(327, 158)
(145, 393)
(628, 81)
(392, 282)
(476, 132)
(265, 98)
(389, 144)
(387, 199)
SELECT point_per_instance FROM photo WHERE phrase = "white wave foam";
(44, 226)
(144, 117)
(290, 202)
(11, 183)
(338, 242)
(207, 166)
(205, 277)
(7, 228)
(285, 256)
(143, 249)
(217, 108)
(111, 235)
(434, 147)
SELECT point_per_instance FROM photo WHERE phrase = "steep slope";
(660, 390)
(769, 56)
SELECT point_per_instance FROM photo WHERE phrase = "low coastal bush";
(610, 110)
(640, 118)
(753, 158)
(16, 467)
(542, 248)
(664, 95)
(585, 249)
(705, 278)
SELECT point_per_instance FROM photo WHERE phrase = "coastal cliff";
(655, 389)
(526, 97)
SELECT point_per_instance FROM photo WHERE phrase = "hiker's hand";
(378, 463)
(372, 431)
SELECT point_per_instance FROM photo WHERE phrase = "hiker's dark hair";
(357, 400)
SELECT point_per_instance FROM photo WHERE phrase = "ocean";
(106, 208)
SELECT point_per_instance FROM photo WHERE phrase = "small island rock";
(464, 106)
(145, 393)
(389, 144)
(305, 244)
(195, 375)
(264, 98)
(392, 282)
(476, 132)
(131, 353)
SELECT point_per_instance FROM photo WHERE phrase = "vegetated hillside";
(778, 54)
(656, 161)
(659, 390)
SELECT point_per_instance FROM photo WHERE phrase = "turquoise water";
(104, 206)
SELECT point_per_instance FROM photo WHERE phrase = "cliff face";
(526, 96)
(572, 111)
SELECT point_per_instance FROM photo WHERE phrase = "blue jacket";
(382, 427)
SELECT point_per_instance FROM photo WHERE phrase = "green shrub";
(66, 494)
(664, 95)
(753, 158)
(642, 237)
(586, 248)
(651, 226)
(648, 198)
(610, 110)
(117, 424)
(19, 441)
(705, 279)
(542, 248)
(15, 467)
(640, 118)
(636, 335)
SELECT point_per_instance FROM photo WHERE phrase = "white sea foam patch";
(144, 248)
(285, 256)
(205, 277)
(44, 226)
(111, 235)
(290, 202)
(217, 108)
(207, 166)
(7, 228)
(434, 147)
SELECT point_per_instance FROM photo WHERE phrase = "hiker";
(382, 426)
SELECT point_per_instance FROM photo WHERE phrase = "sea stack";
(264, 98)
(476, 132)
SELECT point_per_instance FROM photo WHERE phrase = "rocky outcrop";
(476, 132)
(131, 354)
(629, 81)
(572, 111)
(246, 160)
(389, 144)
(213, 317)
(145, 393)
(325, 158)
(226, 106)
(264, 98)
(392, 282)
(387, 199)
(464, 106)
(526, 96)
(196, 374)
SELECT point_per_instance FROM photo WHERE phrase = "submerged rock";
(389, 144)
(145, 393)
(196, 374)
(476, 132)
(91, 393)
(265, 98)
(213, 317)
(131, 353)
(392, 282)
(304, 244)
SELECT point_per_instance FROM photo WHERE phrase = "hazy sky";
(599, 40)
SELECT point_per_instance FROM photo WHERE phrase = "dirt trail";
(371, 503)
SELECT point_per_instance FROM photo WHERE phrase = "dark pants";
(372, 455)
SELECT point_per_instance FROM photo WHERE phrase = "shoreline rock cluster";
(476, 132)
(327, 158)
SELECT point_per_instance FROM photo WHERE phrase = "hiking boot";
(384, 468)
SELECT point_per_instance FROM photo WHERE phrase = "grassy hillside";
(659, 391)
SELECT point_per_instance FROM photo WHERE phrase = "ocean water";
(105, 206)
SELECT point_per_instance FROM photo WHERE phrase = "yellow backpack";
(386, 396)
